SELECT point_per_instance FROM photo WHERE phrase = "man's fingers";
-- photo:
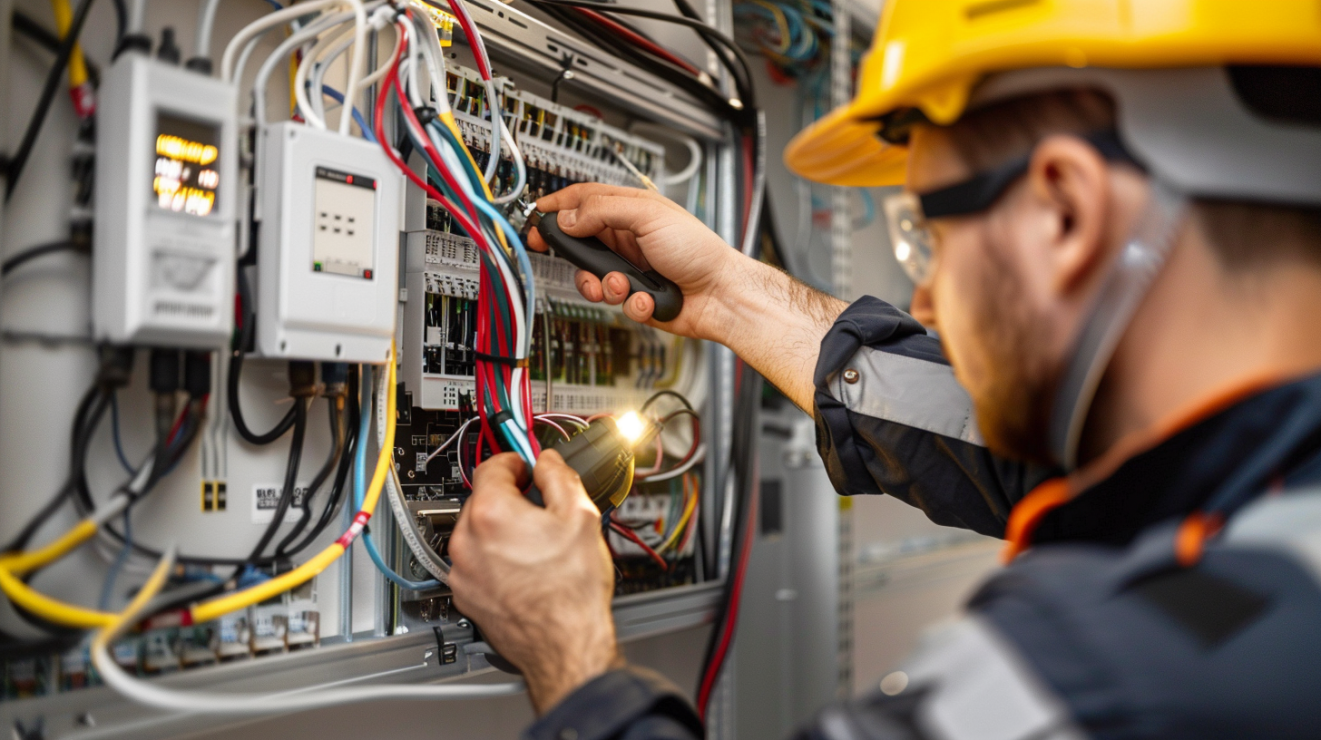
(560, 486)
(497, 493)
(589, 286)
(535, 242)
(640, 307)
(573, 195)
(615, 288)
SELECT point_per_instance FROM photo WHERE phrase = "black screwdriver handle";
(592, 255)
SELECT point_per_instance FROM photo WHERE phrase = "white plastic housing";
(163, 265)
(328, 255)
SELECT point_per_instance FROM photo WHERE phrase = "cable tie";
(501, 418)
(502, 359)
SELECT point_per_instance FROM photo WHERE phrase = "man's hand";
(654, 233)
(537, 581)
(772, 321)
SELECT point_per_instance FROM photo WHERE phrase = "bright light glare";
(903, 251)
(631, 426)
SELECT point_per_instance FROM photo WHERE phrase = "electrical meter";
(328, 254)
(163, 264)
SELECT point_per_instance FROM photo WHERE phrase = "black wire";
(741, 71)
(341, 476)
(336, 450)
(677, 413)
(244, 340)
(290, 479)
(688, 11)
(14, 167)
(26, 25)
(121, 21)
(20, 540)
(742, 450)
(666, 392)
(681, 78)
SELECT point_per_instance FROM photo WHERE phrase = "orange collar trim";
(1053, 493)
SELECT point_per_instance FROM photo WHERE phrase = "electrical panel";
(163, 262)
(331, 219)
(327, 257)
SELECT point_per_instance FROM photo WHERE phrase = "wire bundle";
(506, 297)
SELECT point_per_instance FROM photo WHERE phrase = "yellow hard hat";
(928, 55)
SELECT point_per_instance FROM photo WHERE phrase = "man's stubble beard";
(1013, 403)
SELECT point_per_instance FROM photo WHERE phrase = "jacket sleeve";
(891, 418)
(626, 704)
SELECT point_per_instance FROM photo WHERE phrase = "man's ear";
(1070, 180)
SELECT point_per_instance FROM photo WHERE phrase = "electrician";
(1113, 211)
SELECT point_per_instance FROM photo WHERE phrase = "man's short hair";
(1242, 234)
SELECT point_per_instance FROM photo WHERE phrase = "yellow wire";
(148, 592)
(683, 522)
(54, 610)
(780, 20)
(63, 10)
(21, 563)
(448, 118)
(210, 610)
(60, 612)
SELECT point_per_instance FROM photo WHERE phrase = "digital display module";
(185, 178)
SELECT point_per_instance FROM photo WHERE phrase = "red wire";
(483, 65)
(635, 539)
(731, 617)
(639, 40)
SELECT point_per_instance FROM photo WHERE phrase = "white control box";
(166, 176)
(328, 252)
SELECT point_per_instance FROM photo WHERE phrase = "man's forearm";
(775, 323)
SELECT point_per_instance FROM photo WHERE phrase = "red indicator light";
(367, 274)
(348, 179)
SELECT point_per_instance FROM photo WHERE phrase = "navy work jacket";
(1134, 615)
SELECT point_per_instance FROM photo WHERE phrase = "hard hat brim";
(845, 149)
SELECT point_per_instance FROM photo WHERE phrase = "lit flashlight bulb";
(631, 426)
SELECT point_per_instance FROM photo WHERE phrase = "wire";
(359, 484)
(108, 588)
(452, 439)
(119, 445)
(209, 610)
(664, 393)
(301, 699)
(14, 167)
(697, 457)
(290, 479)
(362, 122)
(26, 25)
(243, 338)
(334, 414)
(633, 537)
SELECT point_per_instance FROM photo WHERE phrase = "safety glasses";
(907, 214)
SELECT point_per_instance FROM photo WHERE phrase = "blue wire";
(108, 588)
(275, 5)
(360, 492)
(114, 425)
(338, 97)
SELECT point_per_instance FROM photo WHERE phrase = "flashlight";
(602, 455)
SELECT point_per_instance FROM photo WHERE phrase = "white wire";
(312, 105)
(435, 57)
(695, 155)
(356, 63)
(137, 17)
(698, 456)
(453, 437)
(296, 700)
(283, 50)
(206, 20)
(318, 72)
(256, 28)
